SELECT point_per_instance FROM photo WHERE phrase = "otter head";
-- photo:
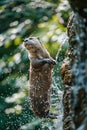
(32, 44)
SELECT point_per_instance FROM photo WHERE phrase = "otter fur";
(40, 77)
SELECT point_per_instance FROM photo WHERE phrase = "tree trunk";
(74, 69)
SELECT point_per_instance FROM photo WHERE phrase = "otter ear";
(38, 38)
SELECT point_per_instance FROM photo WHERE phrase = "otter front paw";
(49, 61)
(53, 62)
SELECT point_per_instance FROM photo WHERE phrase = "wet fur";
(41, 64)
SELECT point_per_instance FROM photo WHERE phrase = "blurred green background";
(19, 19)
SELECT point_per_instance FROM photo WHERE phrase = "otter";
(40, 77)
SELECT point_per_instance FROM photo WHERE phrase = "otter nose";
(25, 40)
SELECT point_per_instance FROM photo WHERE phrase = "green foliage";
(20, 19)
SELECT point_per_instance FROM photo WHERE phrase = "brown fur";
(41, 64)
